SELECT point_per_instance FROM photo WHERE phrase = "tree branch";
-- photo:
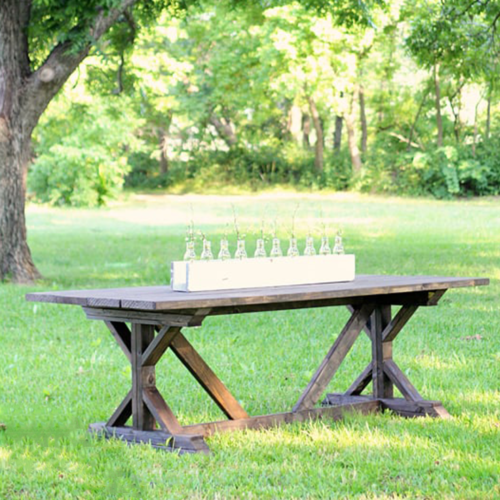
(47, 80)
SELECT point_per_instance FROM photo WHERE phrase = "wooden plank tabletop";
(157, 298)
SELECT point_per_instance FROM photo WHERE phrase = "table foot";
(398, 406)
(180, 443)
(412, 409)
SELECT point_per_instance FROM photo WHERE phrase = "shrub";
(82, 153)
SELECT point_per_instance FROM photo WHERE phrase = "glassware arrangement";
(224, 253)
(260, 250)
(241, 252)
(276, 249)
(293, 250)
(309, 250)
(339, 246)
(325, 246)
(206, 253)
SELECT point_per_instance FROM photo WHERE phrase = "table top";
(157, 298)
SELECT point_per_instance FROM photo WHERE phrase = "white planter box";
(200, 276)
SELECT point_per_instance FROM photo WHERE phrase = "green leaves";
(83, 148)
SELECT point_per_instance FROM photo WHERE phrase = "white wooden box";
(199, 276)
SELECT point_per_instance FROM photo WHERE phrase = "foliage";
(211, 95)
(83, 148)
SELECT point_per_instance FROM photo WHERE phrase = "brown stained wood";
(400, 380)
(362, 382)
(142, 336)
(199, 316)
(399, 406)
(398, 322)
(148, 308)
(277, 419)
(161, 411)
(367, 328)
(146, 318)
(434, 297)
(391, 299)
(122, 413)
(412, 409)
(206, 378)
(159, 345)
(122, 335)
(334, 358)
(157, 439)
(337, 399)
(382, 385)
(163, 298)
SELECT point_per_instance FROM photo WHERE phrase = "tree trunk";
(414, 124)
(337, 134)
(439, 119)
(24, 96)
(306, 130)
(163, 137)
(457, 97)
(351, 136)
(488, 113)
(362, 117)
(15, 144)
(319, 145)
(15, 256)
(163, 145)
(474, 135)
(225, 130)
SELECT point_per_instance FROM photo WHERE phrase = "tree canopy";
(372, 95)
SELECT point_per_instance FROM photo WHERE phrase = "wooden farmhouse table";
(158, 316)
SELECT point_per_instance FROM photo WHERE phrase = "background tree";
(41, 44)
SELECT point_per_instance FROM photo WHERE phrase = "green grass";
(60, 372)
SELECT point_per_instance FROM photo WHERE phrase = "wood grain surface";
(158, 298)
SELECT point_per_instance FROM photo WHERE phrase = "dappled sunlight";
(265, 359)
(480, 398)
(5, 454)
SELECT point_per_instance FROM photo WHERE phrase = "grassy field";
(60, 372)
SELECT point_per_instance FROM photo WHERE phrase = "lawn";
(59, 372)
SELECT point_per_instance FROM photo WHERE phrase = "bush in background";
(81, 152)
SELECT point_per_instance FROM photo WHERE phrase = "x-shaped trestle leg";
(382, 371)
(144, 403)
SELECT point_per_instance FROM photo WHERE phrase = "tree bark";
(414, 124)
(163, 137)
(306, 130)
(319, 145)
(351, 136)
(362, 118)
(225, 130)
(163, 145)
(16, 262)
(457, 124)
(474, 135)
(439, 119)
(24, 96)
(337, 134)
(488, 113)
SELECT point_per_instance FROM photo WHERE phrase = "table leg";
(384, 373)
(381, 351)
(148, 409)
(144, 403)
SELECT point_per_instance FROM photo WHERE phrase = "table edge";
(145, 305)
